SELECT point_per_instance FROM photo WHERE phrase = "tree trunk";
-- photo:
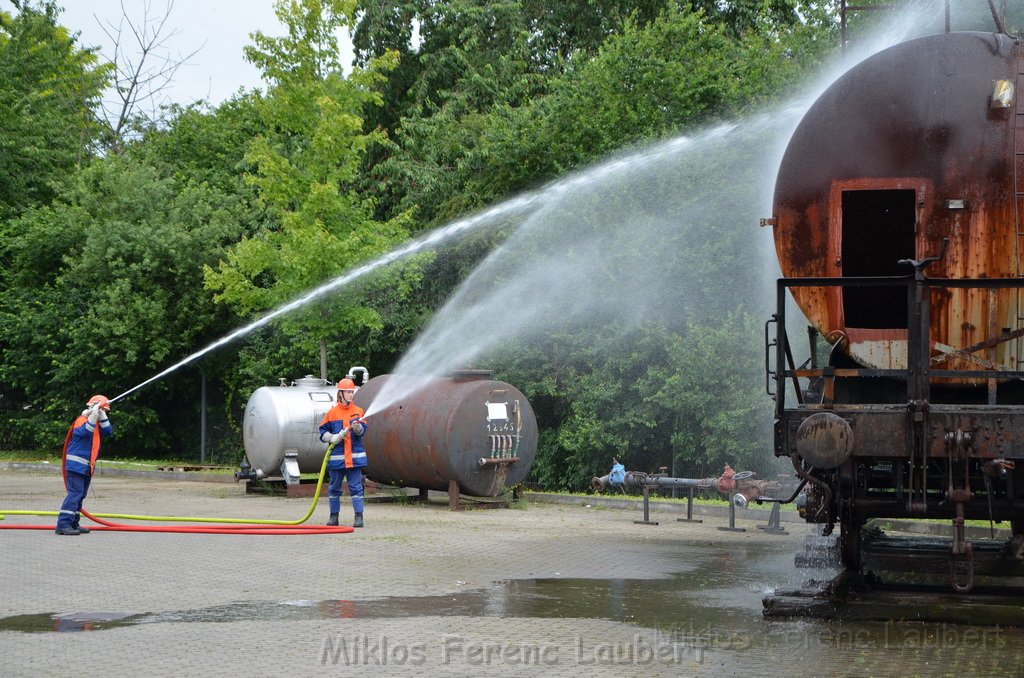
(323, 358)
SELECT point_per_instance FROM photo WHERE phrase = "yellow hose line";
(190, 519)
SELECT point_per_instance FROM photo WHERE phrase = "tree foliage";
(303, 165)
(657, 74)
(49, 87)
(105, 295)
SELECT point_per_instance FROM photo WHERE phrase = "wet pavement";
(546, 590)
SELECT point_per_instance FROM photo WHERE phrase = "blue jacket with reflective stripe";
(80, 445)
(336, 420)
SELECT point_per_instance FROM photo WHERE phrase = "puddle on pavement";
(714, 603)
(718, 586)
(637, 601)
(75, 621)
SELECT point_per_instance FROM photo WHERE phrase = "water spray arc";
(523, 205)
(627, 243)
(510, 208)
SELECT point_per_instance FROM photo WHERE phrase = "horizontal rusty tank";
(468, 428)
(910, 148)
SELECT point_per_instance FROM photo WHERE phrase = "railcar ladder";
(1018, 202)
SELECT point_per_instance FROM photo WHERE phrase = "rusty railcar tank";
(911, 147)
(898, 217)
(467, 428)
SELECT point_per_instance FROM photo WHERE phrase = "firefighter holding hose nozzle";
(343, 427)
(81, 449)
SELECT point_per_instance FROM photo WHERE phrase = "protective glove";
(338, 437)
(93, 414)
(103, 415)
(358, 427)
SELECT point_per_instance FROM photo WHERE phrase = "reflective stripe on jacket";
(350, 452)
(82, 445)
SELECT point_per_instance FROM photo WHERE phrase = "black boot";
(333, 520)
(358, 521)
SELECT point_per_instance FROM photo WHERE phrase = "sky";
(216, 30)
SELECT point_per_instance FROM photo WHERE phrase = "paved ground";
(547, 590)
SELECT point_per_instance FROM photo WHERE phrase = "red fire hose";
(225, 526)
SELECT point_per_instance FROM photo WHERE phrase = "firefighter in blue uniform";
(81, 448)
(343, 427)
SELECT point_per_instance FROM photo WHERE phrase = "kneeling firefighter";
(81, 448)
(343, 425)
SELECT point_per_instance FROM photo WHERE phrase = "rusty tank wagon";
(898, 221)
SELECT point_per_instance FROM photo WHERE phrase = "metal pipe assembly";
(739, 487)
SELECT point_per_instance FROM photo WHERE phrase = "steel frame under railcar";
(904, 443)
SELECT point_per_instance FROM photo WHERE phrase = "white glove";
(103, 415)
(93, 414)
(338, 437)
(358, 427)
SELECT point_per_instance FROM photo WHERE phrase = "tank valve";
(244, 471)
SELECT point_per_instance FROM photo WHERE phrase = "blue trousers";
(355, 488)
(78, 486)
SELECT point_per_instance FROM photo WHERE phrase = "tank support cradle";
(456, 502)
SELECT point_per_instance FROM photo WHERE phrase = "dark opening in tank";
(878, 231)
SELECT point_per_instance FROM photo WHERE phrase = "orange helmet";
(103, 401)
(349, 386)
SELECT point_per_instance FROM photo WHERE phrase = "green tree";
(105, 294)
(712, 387)
(470, 56)
(676, 74)
(488, 122)
(199, 145)
(303, 169)
(49, 91)
(453, 46)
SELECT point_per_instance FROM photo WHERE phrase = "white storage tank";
(286, 418)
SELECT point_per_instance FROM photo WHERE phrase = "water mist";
(636, 238)
(665, 235)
